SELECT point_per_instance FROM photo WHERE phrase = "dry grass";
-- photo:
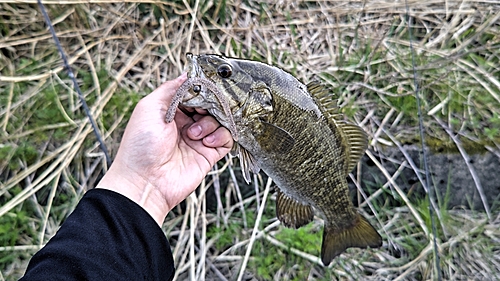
(120, 51)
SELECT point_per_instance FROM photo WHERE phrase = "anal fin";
(292, 213)
(361, 234)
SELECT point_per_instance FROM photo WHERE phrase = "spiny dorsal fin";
(247, 161)
(323, 97)
(356, 142)
(291, 213)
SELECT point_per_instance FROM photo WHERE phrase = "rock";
(450, 176)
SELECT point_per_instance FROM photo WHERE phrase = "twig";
(192, 229)
(400, 192)
(255, 230)
(75, 84)
(467, 161)
(240, 197)
(428, 188)
(47, 210)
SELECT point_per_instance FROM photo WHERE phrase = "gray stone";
(450, 176)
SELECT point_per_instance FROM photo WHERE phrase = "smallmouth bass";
(291, 131)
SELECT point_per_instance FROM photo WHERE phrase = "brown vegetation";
(121, 51)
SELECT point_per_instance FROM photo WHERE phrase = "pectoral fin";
(274, 139)
(247, 161)
(292, 213)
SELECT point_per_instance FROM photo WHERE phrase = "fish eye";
(196, 88)
(224, 70)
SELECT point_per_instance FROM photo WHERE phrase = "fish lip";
(196, 74)
(193, 70)
(192, 67)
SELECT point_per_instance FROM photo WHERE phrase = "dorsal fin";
(323, 97)
(356, 140)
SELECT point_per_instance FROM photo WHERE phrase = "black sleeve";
(107, 237)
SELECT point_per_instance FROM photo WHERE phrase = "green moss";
(269, 258)
(447, 145)
(226, 235)
(304, 238)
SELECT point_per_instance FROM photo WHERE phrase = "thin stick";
(75, 84)
(472, 171)
(400, 192)
(7, 109)
(428, 188)
(255, 229)
(192, 229)
(47, 210)
(240, 197)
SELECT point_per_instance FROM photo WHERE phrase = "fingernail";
(210, 138)
(195, 130)
(183, 76)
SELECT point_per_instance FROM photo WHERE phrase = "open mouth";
(193, 94)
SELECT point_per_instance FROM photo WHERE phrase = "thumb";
(166, 91)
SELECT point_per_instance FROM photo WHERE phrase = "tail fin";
(361, 234)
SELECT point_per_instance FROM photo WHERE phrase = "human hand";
(159, 164)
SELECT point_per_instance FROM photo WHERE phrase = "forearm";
(107, 237)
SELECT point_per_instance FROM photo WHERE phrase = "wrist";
(140, 191)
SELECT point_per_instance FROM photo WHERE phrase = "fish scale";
(289, 120)
(293, 133)
(326, 142)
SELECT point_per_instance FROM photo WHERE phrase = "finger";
(201, 111)
(204, 126)
(200, 114)
(182, 120)
(220, 138)
(167, 90)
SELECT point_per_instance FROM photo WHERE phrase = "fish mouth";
(192, 111)
(194, 72)
(192, 67)
(200, 95)
(204, 94)
(201, 85)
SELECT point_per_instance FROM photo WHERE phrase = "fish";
(295, 133)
